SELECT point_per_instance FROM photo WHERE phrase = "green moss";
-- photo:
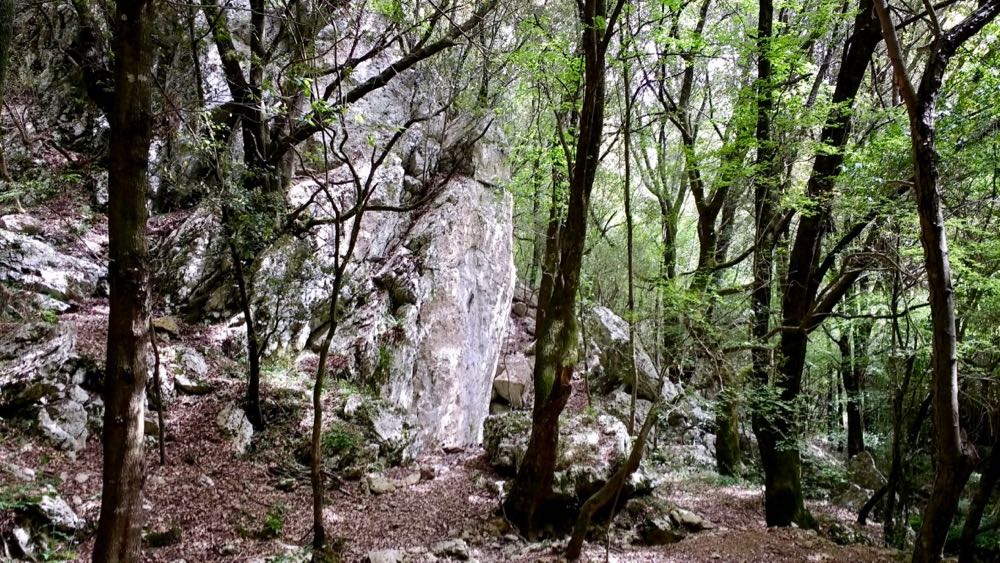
(384, 366)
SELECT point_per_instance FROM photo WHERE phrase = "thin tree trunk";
(319, 542)
(980, 501)
(851, 376)
(612, 488)
(118, 531)
(251, 403)
(160, 435)
(557, 323)
(776, 434)
(955, 457)
(629, 232)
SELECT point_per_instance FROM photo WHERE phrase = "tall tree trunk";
(853, 378)
(120, 524)
(776, 435)
(763, 258)
(629, 232)
(557, 324)
(955, 457)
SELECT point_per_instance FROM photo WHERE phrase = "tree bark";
(557, 325)
(776, 434)
(851, 373)
(120, 524)
(612, 488)
(955, 457)
(980, 501)
(629, 236)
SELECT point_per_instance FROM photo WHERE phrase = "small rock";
(206, 481)
(229, 549)
(456, 549)
(194, 363)
(351, 405)
(49, 303)
(151, 427)
(82, 477)
(411, 478)
(689, 520)
(21, 223)
(378, 484)
(520, 309)
(386, 556)
(20, 473)
(168, 325)
(235, 424)
(661, 531)
(190, 386)
(65, 424)
(21, 545)
(54, 510)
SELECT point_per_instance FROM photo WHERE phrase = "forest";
(401, 281)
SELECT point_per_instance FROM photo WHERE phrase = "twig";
(159, 392)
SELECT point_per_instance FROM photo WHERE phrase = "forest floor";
(238, 508)
(256, 507)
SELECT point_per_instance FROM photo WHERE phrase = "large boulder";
(65, 424)
(590, 449)
(659, 522)
(191, 264)
(36, 265)
(35, 352)
(385, 425)
(56, 513)
(513, 380)
(467, 279)
(426, 327)
(610, 336)
(42, 379)
(424, 305)
(235, 425)
(861, 471)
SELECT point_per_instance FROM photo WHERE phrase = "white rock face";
(40, 379)
(468, 282)
(190, 260)
(65, 423)
(425, 303)
(609, 333)
(38, 266)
